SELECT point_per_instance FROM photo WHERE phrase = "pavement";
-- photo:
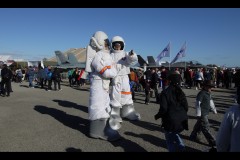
(36, 120)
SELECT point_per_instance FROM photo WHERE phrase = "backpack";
(49, 75)
(56, 76)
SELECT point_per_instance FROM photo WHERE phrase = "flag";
(180, 54)
(223, 67)
(164, 53)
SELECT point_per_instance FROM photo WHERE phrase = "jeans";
(171, 139)
(31, 81)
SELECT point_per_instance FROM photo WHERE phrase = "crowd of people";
(48, 78)
(154, 80)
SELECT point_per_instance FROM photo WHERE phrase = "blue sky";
(212, 34)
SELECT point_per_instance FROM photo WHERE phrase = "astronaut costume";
(99, 63)
(121, 98)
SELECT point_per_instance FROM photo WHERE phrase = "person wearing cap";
(204, 104)
(228, 135)
(173, 111)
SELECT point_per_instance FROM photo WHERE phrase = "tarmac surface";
(36, 120)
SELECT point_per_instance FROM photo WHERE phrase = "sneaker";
(60, 89)
(213, 149)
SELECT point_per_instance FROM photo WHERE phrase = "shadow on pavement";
(71, 105)
(71, 121)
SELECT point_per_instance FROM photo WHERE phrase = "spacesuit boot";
(129, 112)
(115, 118)
(100, 128)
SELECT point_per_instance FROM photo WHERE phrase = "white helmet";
(98, 40)
(118, 39)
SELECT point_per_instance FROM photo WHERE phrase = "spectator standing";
(49, 79)
(19, 75)
(41, 75)
(163, 77)
(6, 80)
(147, 85)
(56, 77)
(198, 78)
(31, 73)
(154, 84)
(188, 78)
(70, 77)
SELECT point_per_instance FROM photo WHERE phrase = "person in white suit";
(121, 98)
(100, 64)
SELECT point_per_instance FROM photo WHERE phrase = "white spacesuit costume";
(120, 96)
(99, 63)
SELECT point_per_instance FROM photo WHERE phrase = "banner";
(180, 54)
(164, 53)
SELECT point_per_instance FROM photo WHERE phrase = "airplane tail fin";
(141, 61)
(151, 61)
(72, 58)
(61, 59)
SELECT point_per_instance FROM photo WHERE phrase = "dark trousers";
(189, 82)
(202, 124)
(147, 92)
(6, 86)
(45, 81)
(155, 89)
(70, 80)
(50, 84)
(41, 82)
(56, 82)
(76, 81)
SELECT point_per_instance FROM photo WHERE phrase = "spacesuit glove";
(131, 53)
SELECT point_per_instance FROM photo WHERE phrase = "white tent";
(5, 58)
(35, 63)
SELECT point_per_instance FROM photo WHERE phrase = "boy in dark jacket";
(173, 111)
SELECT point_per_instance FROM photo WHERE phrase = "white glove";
(213, 108)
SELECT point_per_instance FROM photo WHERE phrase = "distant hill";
(79, 52)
